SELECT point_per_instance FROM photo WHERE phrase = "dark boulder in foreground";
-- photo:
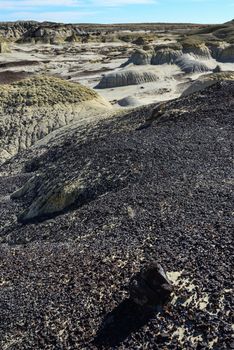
(150, 287)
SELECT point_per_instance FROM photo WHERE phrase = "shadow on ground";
(118, 324)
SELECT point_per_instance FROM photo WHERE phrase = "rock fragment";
(150, 287)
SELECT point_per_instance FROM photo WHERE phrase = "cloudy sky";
(118, 11)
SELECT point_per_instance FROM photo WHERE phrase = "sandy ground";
(87, 63)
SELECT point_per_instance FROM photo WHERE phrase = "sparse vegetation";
(42, 91)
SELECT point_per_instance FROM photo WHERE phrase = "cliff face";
(34, 31)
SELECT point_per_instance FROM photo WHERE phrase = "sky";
(118, 11)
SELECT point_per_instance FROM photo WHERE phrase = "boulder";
(150, 287)
(129, 101)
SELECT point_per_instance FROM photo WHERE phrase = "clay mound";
(190, 65)
(32, 108)
(139, 57)
(129, 101)
(125, 78)
(226, 55)
(42, 91)
(165, 55)
(196, 48)
(206, 81)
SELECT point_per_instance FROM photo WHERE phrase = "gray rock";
(189, 65)
(129, 101)
(125, 78)
(139, 57)
(197, 51)
(227, 54)
(165, 55)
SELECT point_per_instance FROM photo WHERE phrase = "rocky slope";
(153, 184)
(34, 107)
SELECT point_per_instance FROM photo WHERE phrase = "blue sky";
(118, 11)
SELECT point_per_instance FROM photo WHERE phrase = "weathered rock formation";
(46, 32)
(227, 54)
(197, 49)
(126, 77)
(139, 57)
(188, 65)
(165, 55)
(32, 108)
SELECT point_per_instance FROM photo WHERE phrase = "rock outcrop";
(165, 55)
(46, 32)
(32, 108)
(226, 55)
(139, 57)
(188, 65)
(205, 81)
(196, 48)
(125, 78)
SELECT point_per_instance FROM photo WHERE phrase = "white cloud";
(122, 2)
(35, 4)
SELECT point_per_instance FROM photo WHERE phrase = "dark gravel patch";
(65, 279)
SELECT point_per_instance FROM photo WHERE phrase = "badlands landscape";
(116, 152)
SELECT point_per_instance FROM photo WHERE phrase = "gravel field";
(157, 187)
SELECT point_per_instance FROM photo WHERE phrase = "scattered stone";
(217, 69)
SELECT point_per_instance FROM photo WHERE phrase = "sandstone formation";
(32, 108)
(126, 77)
(139, 57)
(165, 55)
(190, 65)
(196, 48)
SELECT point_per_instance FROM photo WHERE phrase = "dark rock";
(150, 287)
(217, 69)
